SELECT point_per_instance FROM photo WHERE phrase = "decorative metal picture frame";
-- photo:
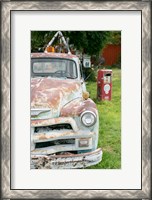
(7, 122)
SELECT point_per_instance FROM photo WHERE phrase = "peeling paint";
(77, 106)
(67, 161)
(60, 134)
(53, 93)
(53, 55)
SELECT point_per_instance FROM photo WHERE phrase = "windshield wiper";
(70, 77)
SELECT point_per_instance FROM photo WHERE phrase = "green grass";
(109, 124)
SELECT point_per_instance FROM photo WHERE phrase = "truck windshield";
(55, 67)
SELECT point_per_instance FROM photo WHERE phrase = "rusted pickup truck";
(64, 120)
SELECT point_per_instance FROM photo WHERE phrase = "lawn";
(109, 124)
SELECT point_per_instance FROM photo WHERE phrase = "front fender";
(77, 106)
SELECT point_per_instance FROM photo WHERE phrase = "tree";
(88, 42)
(39, 39)
(113, 37)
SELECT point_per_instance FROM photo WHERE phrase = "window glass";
(60, 68)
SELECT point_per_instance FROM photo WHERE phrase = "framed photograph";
(75, 82)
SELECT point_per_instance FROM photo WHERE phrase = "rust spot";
(52, 55)
(42, 137)
(46, 122)
(49, 92)
(67, 160)
(76, 107)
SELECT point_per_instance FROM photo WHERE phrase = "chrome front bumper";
(66, 161)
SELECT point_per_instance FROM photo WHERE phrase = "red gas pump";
(104, 84)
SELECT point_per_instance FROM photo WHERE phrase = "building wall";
(111, 54)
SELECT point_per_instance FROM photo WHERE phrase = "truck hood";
(51, 94)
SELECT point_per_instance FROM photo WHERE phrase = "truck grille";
(53, 127)
(56, 142)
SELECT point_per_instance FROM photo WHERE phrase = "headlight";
(88, 118)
